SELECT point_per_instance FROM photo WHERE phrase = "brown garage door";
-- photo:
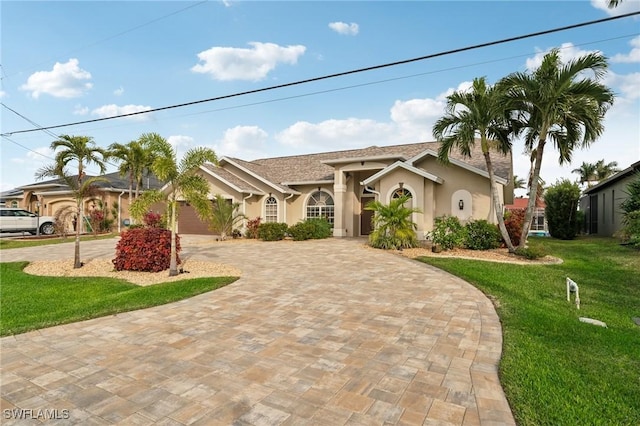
(189, 222)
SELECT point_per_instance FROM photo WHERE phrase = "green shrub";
(482, 235)
(312, 228)
(630, 232)
(448, 232)
(272, 231)
(532, 252)
(561, 211)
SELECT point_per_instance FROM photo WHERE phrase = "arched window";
(14, 204)
(271, 210)
(401, 192)
(320, 204)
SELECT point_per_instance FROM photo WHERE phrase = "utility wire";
(344, 73)
(4, 75)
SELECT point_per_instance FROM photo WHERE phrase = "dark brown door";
(365, 216)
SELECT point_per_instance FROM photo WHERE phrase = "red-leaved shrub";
(513, 222)
(252, 228)
(152, 220)
(145, 249)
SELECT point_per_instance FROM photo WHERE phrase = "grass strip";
(556, 370)
(30, 302)
(7, 243)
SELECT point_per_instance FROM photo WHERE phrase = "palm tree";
(393, 228)
(586, 173)
(603, 170)
(477, 113)
(130, 157)
(611, 4)
(143, 168)
(182, 181)
(519, 183)
(225, 216)
(558, 103)
(83, 151)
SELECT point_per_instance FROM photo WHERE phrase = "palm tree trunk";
(173, 265)
(496, 204)
(130, 195)
(76, 252)
(533, 194)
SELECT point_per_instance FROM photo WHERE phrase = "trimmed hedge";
(311, 229)
(482, 235)
(272, 231)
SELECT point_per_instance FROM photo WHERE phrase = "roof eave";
(405, 166)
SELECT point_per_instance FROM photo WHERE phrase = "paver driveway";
(324, 332)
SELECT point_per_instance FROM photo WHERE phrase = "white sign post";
(572, 287)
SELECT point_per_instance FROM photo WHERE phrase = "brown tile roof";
(309, 167)
(234, 180)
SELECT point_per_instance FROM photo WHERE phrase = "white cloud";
(632, 56)
(66, 80)
(337, 134)
(246, 142)
(180, 141)
(626, 6)
(80, 110)
(113, 110)
(33, 160)
(344, 28)
(627, 86)
(231, 63)
(119, 91)
(567, 53)
(3, 94)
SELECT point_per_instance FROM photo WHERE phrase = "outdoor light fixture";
(401, 184)
(461, 205)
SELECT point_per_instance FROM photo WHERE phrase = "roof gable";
(405, 166)
(482, 172)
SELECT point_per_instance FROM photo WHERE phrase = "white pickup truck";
(19, 220)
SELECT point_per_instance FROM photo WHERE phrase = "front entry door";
(365, 216)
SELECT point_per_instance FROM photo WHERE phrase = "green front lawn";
(6, 243)
(30, 302)
(556, 370)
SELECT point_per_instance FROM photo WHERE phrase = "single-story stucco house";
(50, 196)
(601, 203)
(338, 185)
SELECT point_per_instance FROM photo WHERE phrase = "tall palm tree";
(586, 173)
(182, 181)
(518, 182)
(82, 151)
(603, 170)
(393, 227)
(130, 157)
(558, 103)
(474, 114)
(144, 164)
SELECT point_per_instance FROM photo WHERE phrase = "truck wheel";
(47, 229)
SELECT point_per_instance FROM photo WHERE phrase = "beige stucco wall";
(456, 179)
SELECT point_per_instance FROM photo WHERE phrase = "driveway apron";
(325, 332)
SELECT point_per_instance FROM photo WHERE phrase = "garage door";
(189, 222)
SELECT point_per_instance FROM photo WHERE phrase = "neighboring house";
(601, 203)
(11, 198)
(338, 185)
(48, 197)
(538, 221)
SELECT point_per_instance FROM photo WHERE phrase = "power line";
(344, 73)
(116, 35)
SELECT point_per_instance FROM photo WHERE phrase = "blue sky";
(64, 62)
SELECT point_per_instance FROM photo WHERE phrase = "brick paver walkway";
(314, 333)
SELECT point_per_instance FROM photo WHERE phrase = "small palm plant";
(393, 227)
(225, 216)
